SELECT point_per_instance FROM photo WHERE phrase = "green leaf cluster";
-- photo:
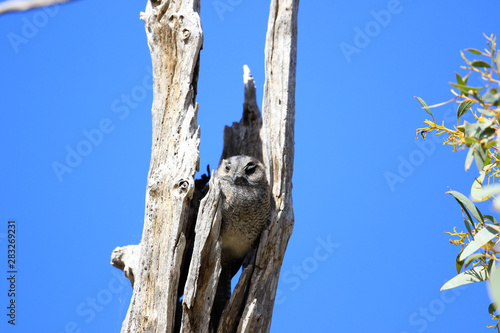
(479, 257)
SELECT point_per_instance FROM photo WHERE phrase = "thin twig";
(24, 5)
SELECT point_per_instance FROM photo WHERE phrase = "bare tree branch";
(24, 5)
(278, 110)
(173, 29)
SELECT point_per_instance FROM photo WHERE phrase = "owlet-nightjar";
(245, 212)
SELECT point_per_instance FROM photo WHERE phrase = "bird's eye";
(228, 167)
(250, 168)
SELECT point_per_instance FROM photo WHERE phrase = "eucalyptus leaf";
(472, 258)
(467, 225)
(486, 112)
(477, 187)
(471, 130)
(477, 96)
(487, 133)
(469, 141)
(465, 89)
(476, 274)
(485, 124)
(469, 159)
(494, 284)
(491, 218)
(459, 79)
(492, 308)
(490, 144)
(467, 222)
(466, 202)
(487, 192)
(482, 237)
(424, 106)
(480, 63)
(473, 51)
(492, 96)
(488, 160)
(480, 155)
(463, 108)
(459, 263)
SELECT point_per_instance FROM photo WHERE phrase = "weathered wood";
(127, 259)
(278, 109)
(175, 38)
(205, 267)
(174, 35)
(251, 306)
(243, 138)
(232, 313)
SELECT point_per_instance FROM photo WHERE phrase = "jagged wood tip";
(126, 258)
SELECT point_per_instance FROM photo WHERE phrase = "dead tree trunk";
(154, 266)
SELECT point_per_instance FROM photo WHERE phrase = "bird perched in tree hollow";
(245, 212)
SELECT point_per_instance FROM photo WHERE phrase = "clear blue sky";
(75, 70)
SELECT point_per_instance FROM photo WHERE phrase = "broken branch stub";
(126, 259)
(243, 138)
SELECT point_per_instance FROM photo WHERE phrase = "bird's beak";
(239, 180)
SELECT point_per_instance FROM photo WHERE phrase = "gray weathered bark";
(278, 139)
(175, 39)
(154, 267)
